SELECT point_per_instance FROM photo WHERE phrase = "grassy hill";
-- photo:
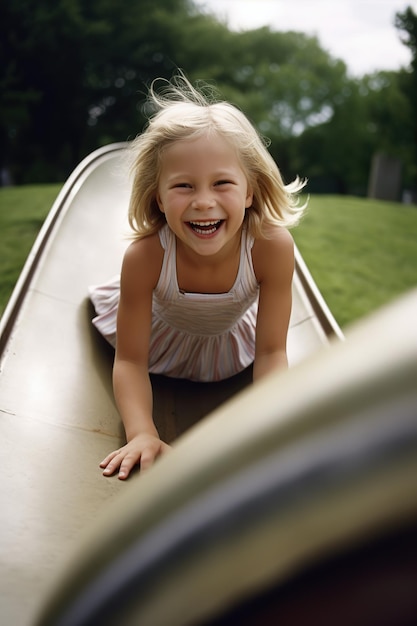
(22, 212)
(362, 253)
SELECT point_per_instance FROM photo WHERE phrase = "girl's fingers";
(126, 467)
(111, 468)
(147, 458)
(125, 460)
(109, 458)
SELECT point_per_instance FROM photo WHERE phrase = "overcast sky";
(360, 32)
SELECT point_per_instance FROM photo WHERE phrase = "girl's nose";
(203, 200)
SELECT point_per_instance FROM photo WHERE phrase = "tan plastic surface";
(332, 443)
(57, 414)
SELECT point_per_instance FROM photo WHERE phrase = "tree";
(373, 115)
(284, 82)
(71, 75)
(406, 23)
(75, 74)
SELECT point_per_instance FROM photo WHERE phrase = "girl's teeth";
(206, 231)
(205, 223)
(203, 228)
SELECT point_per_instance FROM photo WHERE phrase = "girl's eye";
(224, 182)
(182, 185)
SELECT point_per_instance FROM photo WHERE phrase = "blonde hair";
(184, 112)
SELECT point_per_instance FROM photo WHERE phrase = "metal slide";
(234, 470)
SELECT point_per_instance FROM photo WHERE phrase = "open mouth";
(205, 228)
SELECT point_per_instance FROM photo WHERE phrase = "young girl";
(205, 288)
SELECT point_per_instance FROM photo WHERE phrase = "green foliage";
(407, 25)
(72, 76)
(372, 114)
(75, 74)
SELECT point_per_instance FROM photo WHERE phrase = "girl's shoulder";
(143, 260)
(273, 253)
(276, 238)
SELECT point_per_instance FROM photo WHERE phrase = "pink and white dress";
(201, 337)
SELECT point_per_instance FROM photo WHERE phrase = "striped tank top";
(201, 337)
(204, 337)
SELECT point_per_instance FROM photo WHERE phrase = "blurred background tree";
(406, 23)
(73, 77)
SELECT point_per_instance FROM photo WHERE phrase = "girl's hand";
(142, 450)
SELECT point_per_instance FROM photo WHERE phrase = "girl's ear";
(249, 197)
(159, 202)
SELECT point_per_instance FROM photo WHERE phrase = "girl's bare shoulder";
(274, 252)
(143, 260)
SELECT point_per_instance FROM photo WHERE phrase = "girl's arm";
(131, 383)
(273, 261)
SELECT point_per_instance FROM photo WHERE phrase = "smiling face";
(203, 192)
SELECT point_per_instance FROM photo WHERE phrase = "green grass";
(362, 253)
(22, 212)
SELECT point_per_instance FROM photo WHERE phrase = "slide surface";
(57, 413)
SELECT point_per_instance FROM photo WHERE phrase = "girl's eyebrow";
(177, 178)
(217, 174)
